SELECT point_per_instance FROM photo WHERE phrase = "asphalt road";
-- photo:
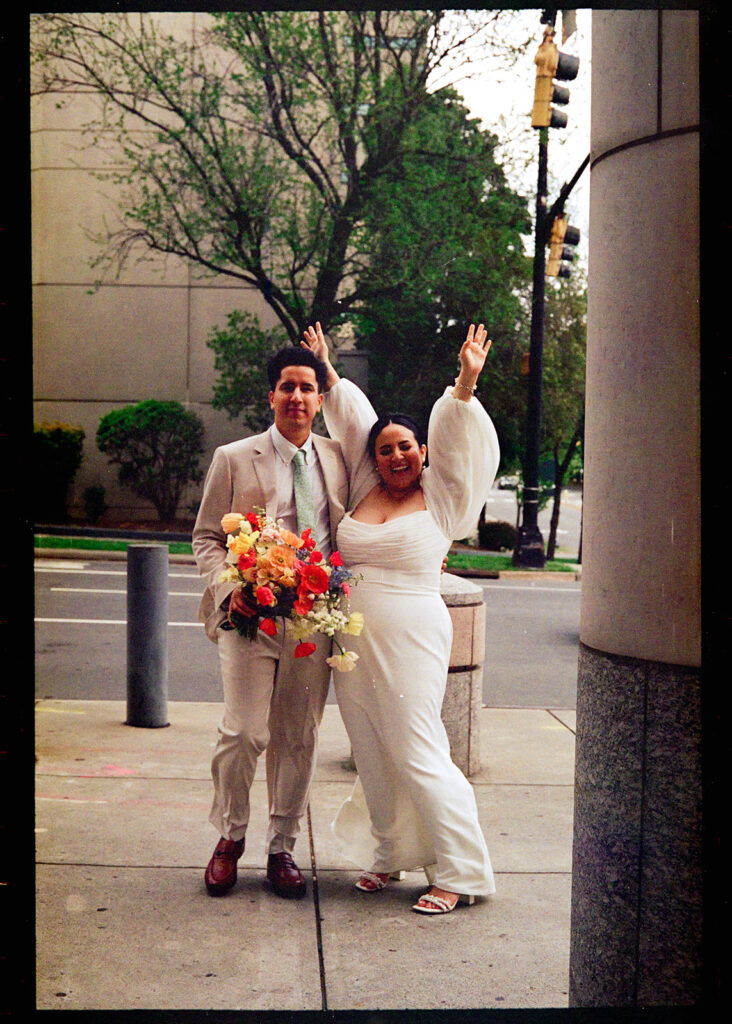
(80, 637)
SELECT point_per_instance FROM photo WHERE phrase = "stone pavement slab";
(114, 938)
(507, 950)
(124, 921)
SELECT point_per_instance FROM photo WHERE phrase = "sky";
(502, 99)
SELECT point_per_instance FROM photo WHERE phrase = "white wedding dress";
(411, 806)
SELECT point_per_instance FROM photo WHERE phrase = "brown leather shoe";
(221, 870)
(284, 875)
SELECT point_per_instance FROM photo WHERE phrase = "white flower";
(342, 662)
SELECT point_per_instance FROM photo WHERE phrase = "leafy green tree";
(563, 394)
(241, 350)
(251, 149)
(157, 446)
(444, 231)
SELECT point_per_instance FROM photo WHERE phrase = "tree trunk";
(560, 470)
(554, 522)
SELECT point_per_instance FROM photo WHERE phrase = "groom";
(271, 702)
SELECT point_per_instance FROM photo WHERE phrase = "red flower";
(268, 626)
(313, 578)
(315, 557)
(264, 595)
(308, 539)
(253, 520)
(304, 602)
(304, 649)
(335, 559)
(247, 561)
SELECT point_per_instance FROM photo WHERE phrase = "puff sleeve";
(463, 455)
(349, 416)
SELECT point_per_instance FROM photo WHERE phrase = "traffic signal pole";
(529, 551)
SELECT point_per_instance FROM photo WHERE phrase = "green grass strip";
(502, 563)
(176, 547)
(455, 560)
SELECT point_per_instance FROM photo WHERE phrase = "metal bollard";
(147, 635)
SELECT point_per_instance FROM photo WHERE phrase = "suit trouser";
(272, 702)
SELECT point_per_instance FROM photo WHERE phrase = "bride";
(411, 806)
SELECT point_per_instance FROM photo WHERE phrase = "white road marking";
(108, 572)
(109, 622)
(95, 590)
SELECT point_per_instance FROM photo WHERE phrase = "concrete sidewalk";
(124, 920)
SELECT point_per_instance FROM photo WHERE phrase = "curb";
(81, 554)
(184, 559)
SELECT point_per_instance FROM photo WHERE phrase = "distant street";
(502, 505)
(531, 637)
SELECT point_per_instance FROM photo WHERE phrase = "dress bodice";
(409, 547)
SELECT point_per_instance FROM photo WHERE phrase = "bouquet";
(282, 574)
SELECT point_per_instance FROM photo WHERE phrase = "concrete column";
(636, 893)
(464, 690)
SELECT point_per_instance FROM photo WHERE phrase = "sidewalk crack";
(316, 908)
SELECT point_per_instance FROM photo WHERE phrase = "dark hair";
(293, 356)
(399, 418)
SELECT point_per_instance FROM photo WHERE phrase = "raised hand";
(472, 358)
(315, 341)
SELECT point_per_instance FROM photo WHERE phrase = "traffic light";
(563, 235)
(551, 64)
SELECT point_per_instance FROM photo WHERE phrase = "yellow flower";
(240, 544)
(354, 624)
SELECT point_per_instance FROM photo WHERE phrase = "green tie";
(303, 494)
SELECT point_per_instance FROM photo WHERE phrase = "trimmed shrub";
(157, 446)
(57, 455)
(94, 504)
(497, 535)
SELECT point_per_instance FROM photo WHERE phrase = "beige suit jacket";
(242, 476)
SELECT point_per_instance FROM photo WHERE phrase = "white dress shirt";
(285, 452)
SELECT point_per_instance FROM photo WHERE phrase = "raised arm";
(348, 415)
(462, 446)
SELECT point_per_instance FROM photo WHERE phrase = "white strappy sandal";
(440, 906)
(378, 881)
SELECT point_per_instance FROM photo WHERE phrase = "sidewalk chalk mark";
(69, 800)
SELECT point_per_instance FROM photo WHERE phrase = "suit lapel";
(264, 469)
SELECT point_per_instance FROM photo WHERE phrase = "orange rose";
(291, 539)
(277, 564)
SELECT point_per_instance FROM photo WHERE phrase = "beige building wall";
(137, 337)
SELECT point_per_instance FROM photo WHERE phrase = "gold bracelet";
(464, 386)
